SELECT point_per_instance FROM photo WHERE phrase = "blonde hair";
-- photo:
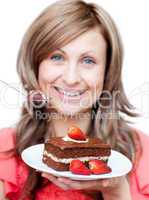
(55, 27)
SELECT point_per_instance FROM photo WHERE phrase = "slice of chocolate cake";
(60, 151)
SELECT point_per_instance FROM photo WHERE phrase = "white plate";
(119, 164)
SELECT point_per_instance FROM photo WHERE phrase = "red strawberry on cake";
(76, 133)
(77, 152)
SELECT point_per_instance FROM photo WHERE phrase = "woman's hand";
(112, 189)
(55, 180)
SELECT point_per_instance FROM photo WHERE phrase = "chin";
(71, 111)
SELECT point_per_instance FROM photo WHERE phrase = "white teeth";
(72, 94)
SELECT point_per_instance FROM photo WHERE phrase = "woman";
(72, 55)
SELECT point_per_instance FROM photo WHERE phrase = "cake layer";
(59, 166)
(62, 149)
(68, 160)
(92, 143)
(55, 165)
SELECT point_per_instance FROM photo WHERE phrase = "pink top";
(13, 172)
(139, 179)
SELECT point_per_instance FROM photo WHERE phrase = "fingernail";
(43, 175)
(38, 171)
(105, 183)
(60, 179)
(66, 188)
(63, 180)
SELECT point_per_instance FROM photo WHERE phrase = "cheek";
(47, 74)
(95, 80)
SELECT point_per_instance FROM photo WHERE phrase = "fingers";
(113, 182)
(98, 185)
(80, 185)
(101, 184)
(55, 180)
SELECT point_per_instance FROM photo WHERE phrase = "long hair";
(55, 27)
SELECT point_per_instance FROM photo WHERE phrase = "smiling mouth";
(70, 93)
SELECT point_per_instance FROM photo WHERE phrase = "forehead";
(92, 40)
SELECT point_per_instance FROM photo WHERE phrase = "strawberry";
(99, 167)
(76, 133)
(78, 167)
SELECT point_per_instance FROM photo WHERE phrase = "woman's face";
(73, 75)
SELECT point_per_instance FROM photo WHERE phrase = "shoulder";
(141, 175)
(144, 141)
(13, 171)
(143, 138)
(142, 134)
(7, 130)
(7, 138)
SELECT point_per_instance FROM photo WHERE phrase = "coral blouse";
(13, 172)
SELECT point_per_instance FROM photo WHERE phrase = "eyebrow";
(58, 49)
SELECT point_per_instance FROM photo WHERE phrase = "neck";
(60, 125)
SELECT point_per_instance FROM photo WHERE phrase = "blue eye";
(89, 61)
(57, 57)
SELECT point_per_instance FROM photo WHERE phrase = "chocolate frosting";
(92, 143)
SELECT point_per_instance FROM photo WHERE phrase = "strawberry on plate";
(99, 167)
(76, 133)
(78, 167)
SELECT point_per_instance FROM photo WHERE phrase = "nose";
(71, 75)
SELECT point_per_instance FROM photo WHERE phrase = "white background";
(131, 18)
